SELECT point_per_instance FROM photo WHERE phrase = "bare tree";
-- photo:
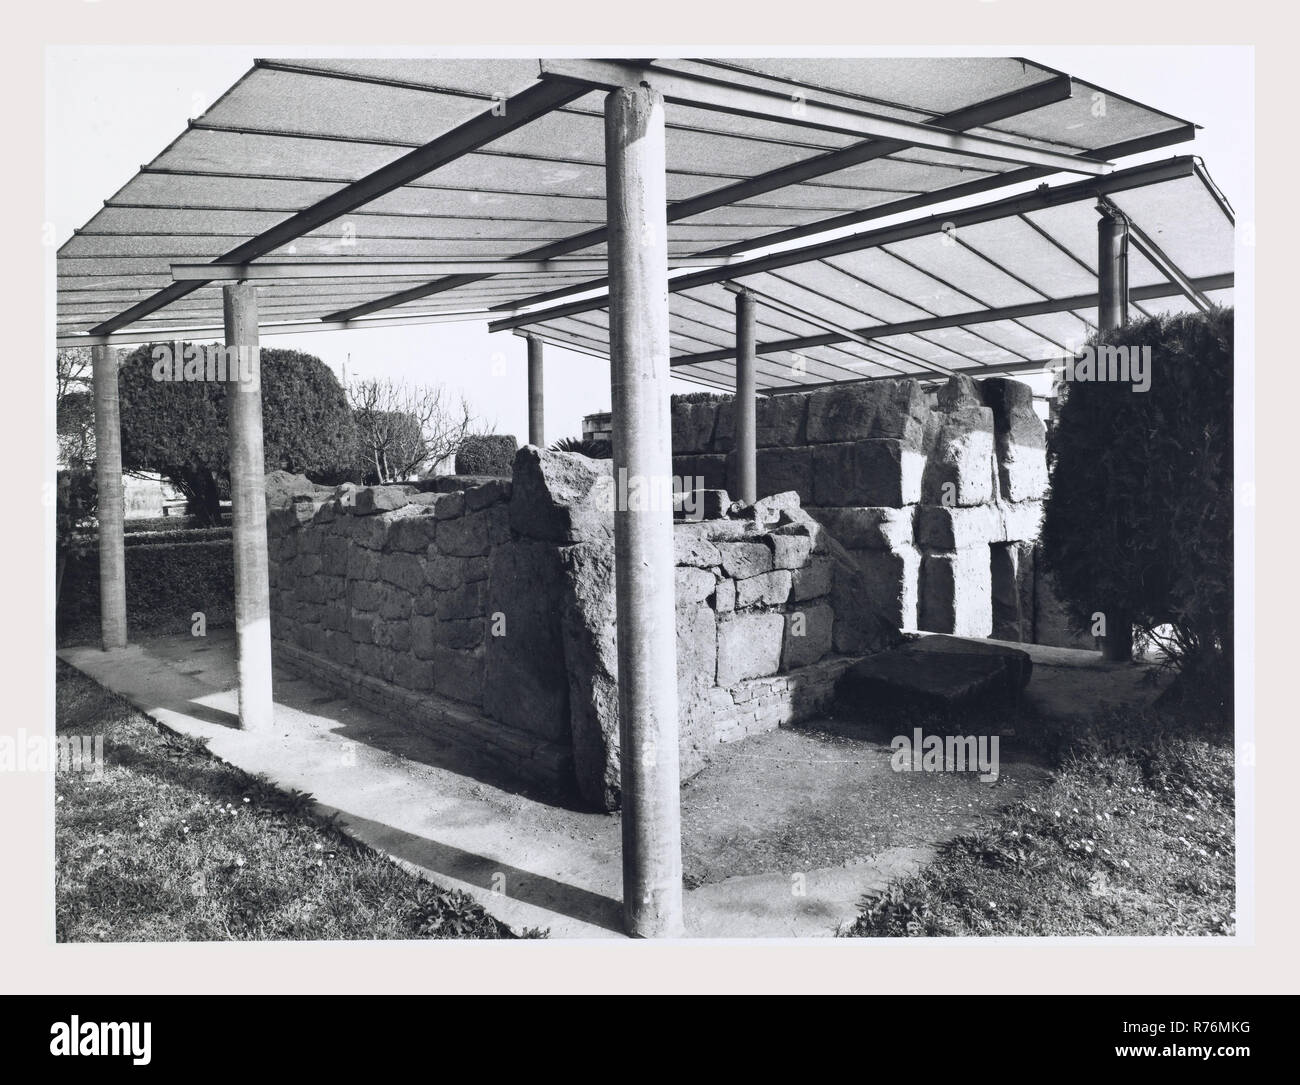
(403, 429)
(74, 407)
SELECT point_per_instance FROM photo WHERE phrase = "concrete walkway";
(533, 863)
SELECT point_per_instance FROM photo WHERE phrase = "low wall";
(486, 614)
(938, 496)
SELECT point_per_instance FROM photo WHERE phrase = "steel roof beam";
(415, 269)
(739, 100)
(523, 108)
(1039, 199)
(896, 207)
(958, 320)
(993, 109)
(163, 335)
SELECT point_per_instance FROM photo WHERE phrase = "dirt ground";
(824, 795)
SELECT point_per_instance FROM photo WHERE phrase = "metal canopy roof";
(378, 169)
(1004, 286)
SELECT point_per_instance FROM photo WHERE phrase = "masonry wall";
(937, 496)
(486, 614)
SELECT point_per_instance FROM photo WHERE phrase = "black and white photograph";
(715, 496)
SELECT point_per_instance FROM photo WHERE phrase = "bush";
(78, 501)
(165, 584)
(487, 454)
(1139, 519)
(180, 428)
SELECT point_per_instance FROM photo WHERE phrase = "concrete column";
(746, 405)
(536, 405)
(643, 531)
(248, 506)
(1112, 314)
(110, 502)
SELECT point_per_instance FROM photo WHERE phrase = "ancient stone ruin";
(486, 614)
(482, 609)
(938, 496)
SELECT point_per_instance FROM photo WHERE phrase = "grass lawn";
(1132, 836)
(174, 845)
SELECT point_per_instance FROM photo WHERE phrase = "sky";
(112, 109)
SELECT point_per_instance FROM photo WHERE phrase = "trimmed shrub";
(1139, 519)
(165, 584)
(487, 454)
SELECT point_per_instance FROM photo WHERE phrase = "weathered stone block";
(956, 592)
(724, 595)
(702, 471)
(749, 645)
(780, 469)
(1021, 521)
(807, 636)
(466, 536)
(361, 627)
(366, 595)
(891, 578)
(878, 472)
(764, 589)
(373, 499)
(792, 548)
(894, 409)
(424, 636)
(411, 534)
(487, 493)
(958, 392)
(742, 559)
(407, 571)
(444, 571)
(959, 467)
(527, 682)
(697, 653)
(590, 655)
(811, 581)
(693, 426)
(459, 674)
(724, 429)
(466, 601)
(460, 632)
(1012, 590)
(780, 420)
(697, 504)
(449, 506)
(393, 634)
(561, 497)
(1021, 439)
(952, 527)
(693, 585)
(692, 545)
(396, 606)
(412, 673)
(867, 528)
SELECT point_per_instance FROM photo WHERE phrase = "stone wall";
(938, 497)
(486, 614)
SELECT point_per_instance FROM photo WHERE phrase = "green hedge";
(1139, 520)
(165, 584)
(487, 454)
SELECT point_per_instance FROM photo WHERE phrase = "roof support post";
(1112, 268)
(645, 566)
(1112, 314)
(536, 399)
(248, 506)
(745, 465)
(111, 503)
